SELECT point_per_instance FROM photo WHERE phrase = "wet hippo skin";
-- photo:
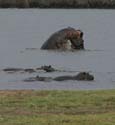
(65, 39)
(82, 76)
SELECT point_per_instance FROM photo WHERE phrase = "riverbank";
(57, 107)
(102, 4)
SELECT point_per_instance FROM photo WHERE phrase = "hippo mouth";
(77, 43)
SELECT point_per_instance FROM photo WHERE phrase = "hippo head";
(84, 76)
(76, 39)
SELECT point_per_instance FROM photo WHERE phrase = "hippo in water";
(82, 76)
(65, 39)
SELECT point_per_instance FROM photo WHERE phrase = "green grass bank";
(57, 4)
(57, 107)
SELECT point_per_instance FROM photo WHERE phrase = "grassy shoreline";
(29, 107)
(57, 4)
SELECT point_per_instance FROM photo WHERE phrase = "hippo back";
(56, 38)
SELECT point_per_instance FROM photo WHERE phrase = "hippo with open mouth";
(65, 39)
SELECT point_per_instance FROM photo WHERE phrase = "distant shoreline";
(64, 4)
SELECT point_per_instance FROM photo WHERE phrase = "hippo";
(65, 39)
(82, 76)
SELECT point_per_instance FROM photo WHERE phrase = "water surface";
(22, 32)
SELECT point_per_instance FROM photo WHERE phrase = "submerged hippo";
(82, 76)
(65, 39)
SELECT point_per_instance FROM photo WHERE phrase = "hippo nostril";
(84, 73)
(81, 35)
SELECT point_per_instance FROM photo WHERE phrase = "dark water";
(22, 32)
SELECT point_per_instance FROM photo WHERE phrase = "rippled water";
(22, 32)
